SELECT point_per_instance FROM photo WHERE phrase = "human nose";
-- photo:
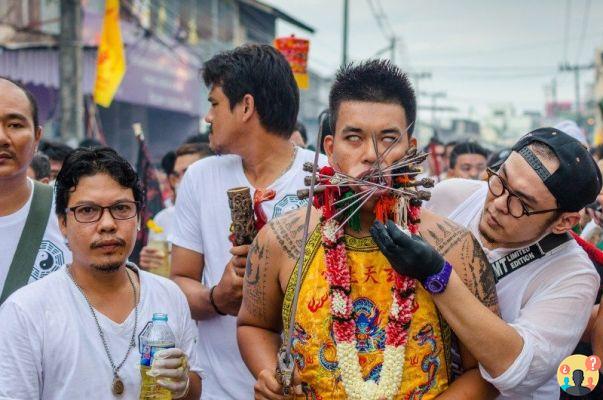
(370, 152)
(106, 223)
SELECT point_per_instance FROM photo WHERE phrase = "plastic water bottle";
(159, 337)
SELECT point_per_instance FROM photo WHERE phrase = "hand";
(151, 258)
(268, 386)
(228, 293)
(170, 366)
(408, 255)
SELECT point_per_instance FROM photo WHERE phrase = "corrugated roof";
(278, 14)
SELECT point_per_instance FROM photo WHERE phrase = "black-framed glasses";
(516, 207)
(87, 213)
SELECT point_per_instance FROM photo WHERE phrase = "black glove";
(408, 255)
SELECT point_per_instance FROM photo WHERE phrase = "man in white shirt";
(254, 105)
(546, 284)
(76, 334)
(20, 134)
(186, 155)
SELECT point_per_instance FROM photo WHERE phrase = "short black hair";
(263, 72)
(301, 128)
(40, 164)
(30, 97)
(377, 81)
(90, 143)
(54, 150)
(202, 149)
(89, 162)
(466, 148)
(167, 162)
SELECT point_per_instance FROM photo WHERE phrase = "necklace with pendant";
(117, 386)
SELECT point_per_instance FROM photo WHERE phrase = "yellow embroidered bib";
(427, 358)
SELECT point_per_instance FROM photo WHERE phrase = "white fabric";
(51, 348)
(202, 225)
(548, 301)
(52, 254)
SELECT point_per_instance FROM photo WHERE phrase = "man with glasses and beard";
(546, 284)
(76, 333)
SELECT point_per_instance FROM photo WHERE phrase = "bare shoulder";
(462, 250)
(287, 231)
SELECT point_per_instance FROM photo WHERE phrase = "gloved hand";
(172, 366)
(408, 255)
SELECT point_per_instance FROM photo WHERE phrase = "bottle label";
(148, 353)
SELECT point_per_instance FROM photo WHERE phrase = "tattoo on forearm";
(289, 231)
(477, 273)
(255, 280)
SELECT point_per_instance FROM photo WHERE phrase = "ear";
(248, 107)
(413, 141)
(565, 222)
(63, 224)
(37, 135)
(328, 143)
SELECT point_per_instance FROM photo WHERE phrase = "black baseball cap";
(577, 181)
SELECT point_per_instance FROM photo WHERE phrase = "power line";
(584, 28)
(568, 12)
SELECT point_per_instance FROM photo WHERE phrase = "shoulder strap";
(522, 257)
(29, 242)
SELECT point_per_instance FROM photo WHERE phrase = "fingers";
(172, 386)
(398, 236)
(381, 236)
(174, 352)
(240, 251)
(267, 387)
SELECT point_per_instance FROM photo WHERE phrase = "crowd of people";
(416, 271)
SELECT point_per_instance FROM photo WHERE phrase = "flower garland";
(344, 326)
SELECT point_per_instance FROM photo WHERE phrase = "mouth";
(110, 245)
(5, 156)
(372, 179)
(491, 221)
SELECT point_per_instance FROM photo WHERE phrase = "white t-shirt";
(548, 301)
(51, 348)
(202, 225)
(52, 254)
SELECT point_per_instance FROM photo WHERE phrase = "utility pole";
(346, 16)
(70, 72)
(576, 68)
(434, 98)
(417, 77)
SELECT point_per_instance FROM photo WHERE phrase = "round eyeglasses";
(516, 207)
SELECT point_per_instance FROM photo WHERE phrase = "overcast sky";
(481, 53)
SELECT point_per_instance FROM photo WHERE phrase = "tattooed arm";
(469, 304)
(270, 262)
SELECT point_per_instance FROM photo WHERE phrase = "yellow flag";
(111, 60)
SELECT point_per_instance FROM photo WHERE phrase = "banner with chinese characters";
(296, 51)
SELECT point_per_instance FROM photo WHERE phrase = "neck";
(367, 218)
(97, 282)
(14, 194)
(266, 158)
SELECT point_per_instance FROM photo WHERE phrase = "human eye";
(353, 138)
(390, 139)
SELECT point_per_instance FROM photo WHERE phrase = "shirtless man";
(372, 105)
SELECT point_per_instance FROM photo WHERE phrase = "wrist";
(437, 283)
(212, 300)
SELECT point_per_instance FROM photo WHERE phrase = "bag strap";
(29, 242)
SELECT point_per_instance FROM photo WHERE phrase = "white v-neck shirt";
(202, 224)
(50, 347)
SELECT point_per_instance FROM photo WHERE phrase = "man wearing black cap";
(545, 282)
